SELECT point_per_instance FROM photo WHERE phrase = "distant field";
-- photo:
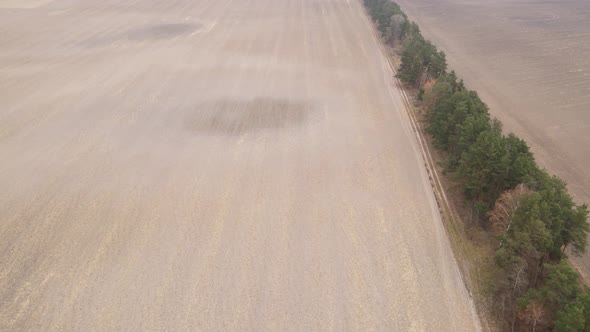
(529, 61)
(20, 4)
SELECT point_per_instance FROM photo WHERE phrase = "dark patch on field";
(236, 117)
(150, 32)
(161, 31)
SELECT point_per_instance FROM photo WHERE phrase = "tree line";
(529, 212)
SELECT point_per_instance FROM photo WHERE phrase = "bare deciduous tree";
(534, 314)
(519, 278)
(505, 207)
(394, 32)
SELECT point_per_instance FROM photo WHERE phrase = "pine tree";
(482, 167)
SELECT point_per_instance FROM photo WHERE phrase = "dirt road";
(212, 165)
(528, 59)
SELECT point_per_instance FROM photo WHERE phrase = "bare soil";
(212, 165)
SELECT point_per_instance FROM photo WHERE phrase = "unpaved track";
(212, 165)
(528, 60)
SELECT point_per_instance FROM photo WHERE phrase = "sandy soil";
(212, 165)
(528, 59)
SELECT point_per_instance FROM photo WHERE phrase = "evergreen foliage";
(543, 220)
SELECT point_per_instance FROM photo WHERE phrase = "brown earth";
(528, 60)
(212, 165)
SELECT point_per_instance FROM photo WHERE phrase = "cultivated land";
(212, 165)
(528, 60)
